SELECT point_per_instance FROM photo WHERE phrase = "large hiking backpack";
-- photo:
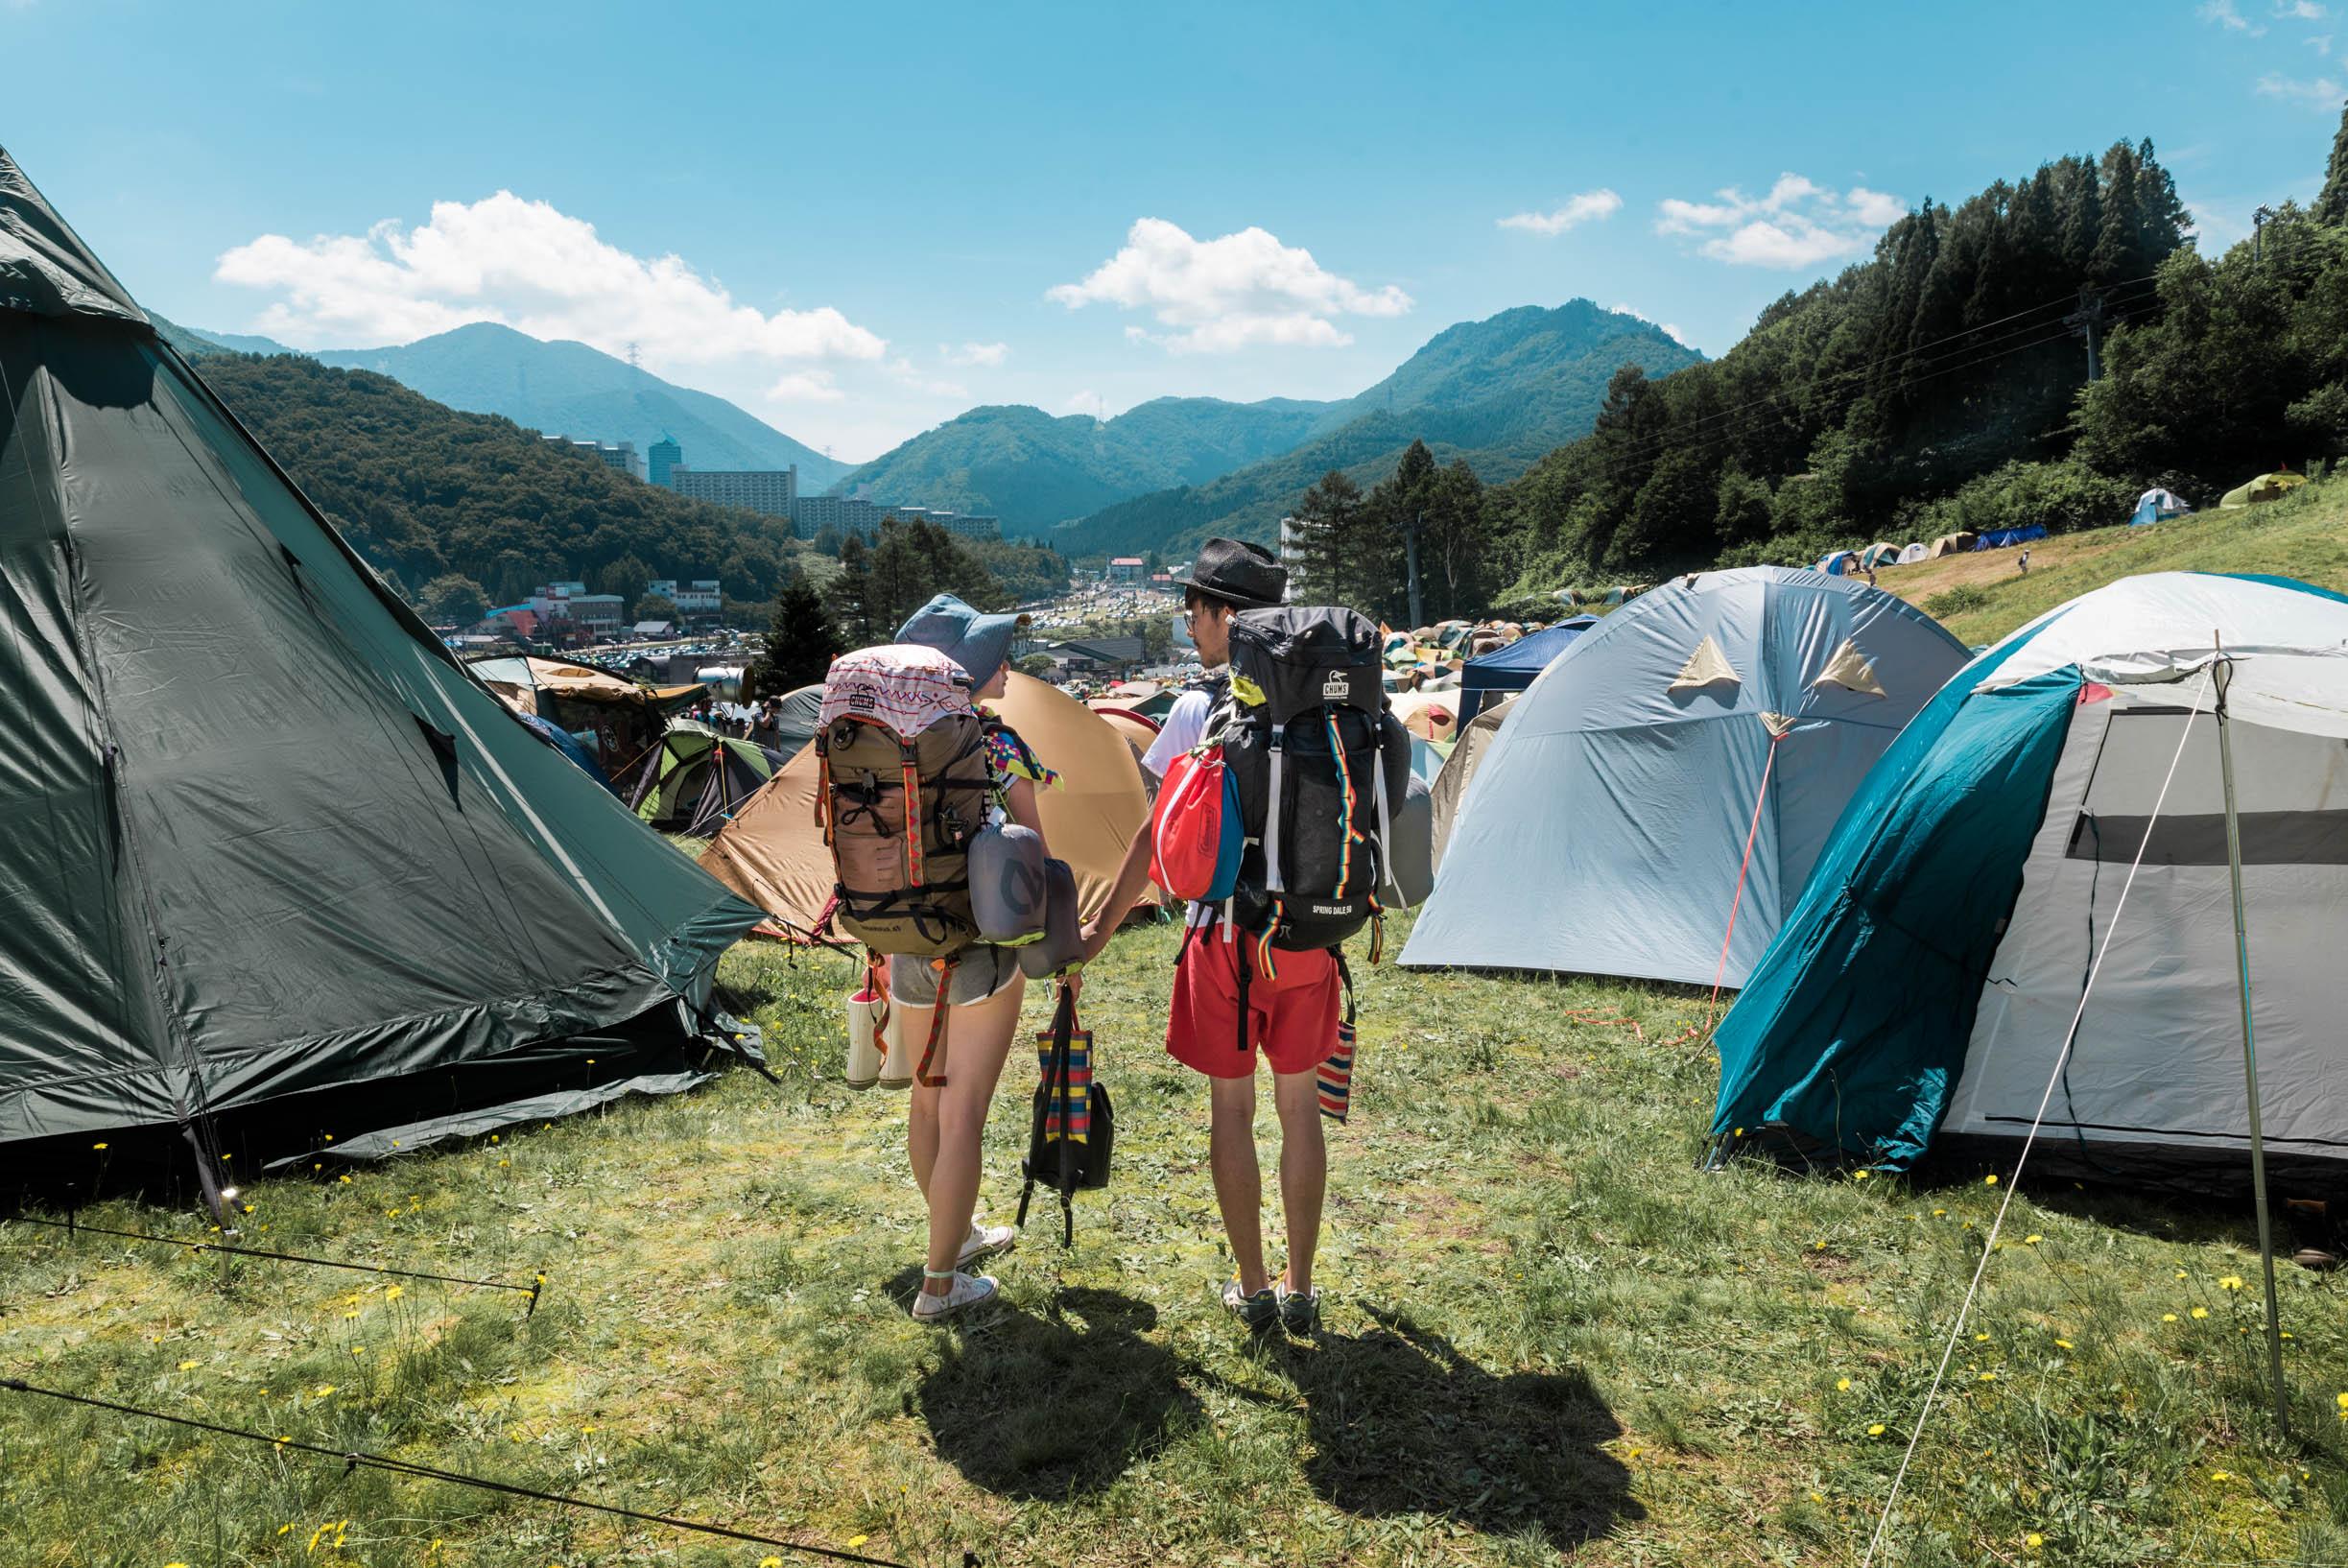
(905, 789)
(1318, 764)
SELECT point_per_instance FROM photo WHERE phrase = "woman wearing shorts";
(947, 1122)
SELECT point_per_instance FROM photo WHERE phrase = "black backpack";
(1320, 766)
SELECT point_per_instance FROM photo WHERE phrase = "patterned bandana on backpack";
(1316, 764)
(905, 788)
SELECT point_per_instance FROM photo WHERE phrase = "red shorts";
(1294, 1018)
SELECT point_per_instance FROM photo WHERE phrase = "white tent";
(1984, 863)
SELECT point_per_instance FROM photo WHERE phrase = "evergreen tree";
(802, 642)
(1328, 522)
(2118, 238)
(2332, 203)
(851, 594)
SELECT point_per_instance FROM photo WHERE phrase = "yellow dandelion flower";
(1858, 1175)
(2169, 1317)
(285, 1530)
(2343, 1400)
(853, 1541)
(2032, 1241)
(189, 1367)
(1989, 1377)
(2033, 1540)
(98, 1145)
(358, 1350)
(2201, 1312)
(1820, 1246)
(1842, 1385)
(1979, 1337)
(2182, 1274)
(1937, 1213)
(1876, 1430)
(2062, 1344)
(1989, 1180)
(346, 1181)
(2222, 1475)
(322, 1390)
(1631, 1455)
(2230, 1282)
(769, 1562)
(395, 1293)
(1818, 1496)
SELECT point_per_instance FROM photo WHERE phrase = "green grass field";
(1552, 1338)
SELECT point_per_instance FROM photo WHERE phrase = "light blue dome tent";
(1920, 993)
(1675, 771)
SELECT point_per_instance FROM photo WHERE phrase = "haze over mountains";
(1500, 393)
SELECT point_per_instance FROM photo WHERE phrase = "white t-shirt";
(1184, 726)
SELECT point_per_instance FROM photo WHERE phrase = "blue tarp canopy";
(2005, 539)
(1511, 669)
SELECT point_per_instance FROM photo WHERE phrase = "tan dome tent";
(1953, 544)
(772, 854)
(1459, 771)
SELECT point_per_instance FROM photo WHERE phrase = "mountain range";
(1499, 393)
(568, 389)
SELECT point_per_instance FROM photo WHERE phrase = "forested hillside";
(1854, 404)
(424, 491)
(1498, 392)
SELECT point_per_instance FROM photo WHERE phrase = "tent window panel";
(2269, 838)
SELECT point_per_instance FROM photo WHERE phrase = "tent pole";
(2223, 672)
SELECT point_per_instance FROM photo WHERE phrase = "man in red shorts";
(1291, 1016)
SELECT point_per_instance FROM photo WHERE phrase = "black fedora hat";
(1247, 575)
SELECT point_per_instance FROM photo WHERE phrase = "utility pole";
(1409, 544)
(2087, 322)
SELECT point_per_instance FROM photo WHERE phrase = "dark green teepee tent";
(273, 865)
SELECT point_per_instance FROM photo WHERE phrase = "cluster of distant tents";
(282, 875)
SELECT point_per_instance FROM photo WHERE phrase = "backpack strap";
(1386, 829)
(1273, 880)
(937, 1023)
(1239, 958)
(910, 761)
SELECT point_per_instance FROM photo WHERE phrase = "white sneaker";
(967, 1290)
(985, 1241)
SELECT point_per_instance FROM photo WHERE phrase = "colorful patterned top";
(1010, 758)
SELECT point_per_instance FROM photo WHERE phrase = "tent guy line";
(535, 1290)
(355, 1458)
(2013, 1182)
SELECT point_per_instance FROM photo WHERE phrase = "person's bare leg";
(1239, 1182)
(1304, 1171)
(921, 1135)
(978, 1039)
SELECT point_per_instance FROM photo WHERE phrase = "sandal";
(1257, 1312)
(966, 1292)
(1299, 1310)
(985, 1241)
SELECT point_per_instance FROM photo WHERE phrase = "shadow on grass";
(1402, 1423)
(1056, 1406)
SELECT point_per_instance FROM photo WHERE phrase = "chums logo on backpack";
(1337, 688)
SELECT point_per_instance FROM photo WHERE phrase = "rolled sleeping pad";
(1063, 939)
(1007, 884)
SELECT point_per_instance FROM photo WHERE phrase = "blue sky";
(857, 221)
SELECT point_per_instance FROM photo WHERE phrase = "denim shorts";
(984, 970)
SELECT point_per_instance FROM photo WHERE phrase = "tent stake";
(2224, 672)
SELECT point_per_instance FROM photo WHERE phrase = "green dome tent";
(699, 779)
(273, 864)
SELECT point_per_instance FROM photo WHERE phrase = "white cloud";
(910, 374)
(1590, 205)
(988, 354)
(806, 387)
(2224, 13)
(2321, 43)
(532, 267)
(2304, 11)
(1083, 401)
(2321, 91)
(1226, 294)
(1677, 336)
(1797, 224)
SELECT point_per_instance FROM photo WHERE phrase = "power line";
(533, 1290)
(357, 1460)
